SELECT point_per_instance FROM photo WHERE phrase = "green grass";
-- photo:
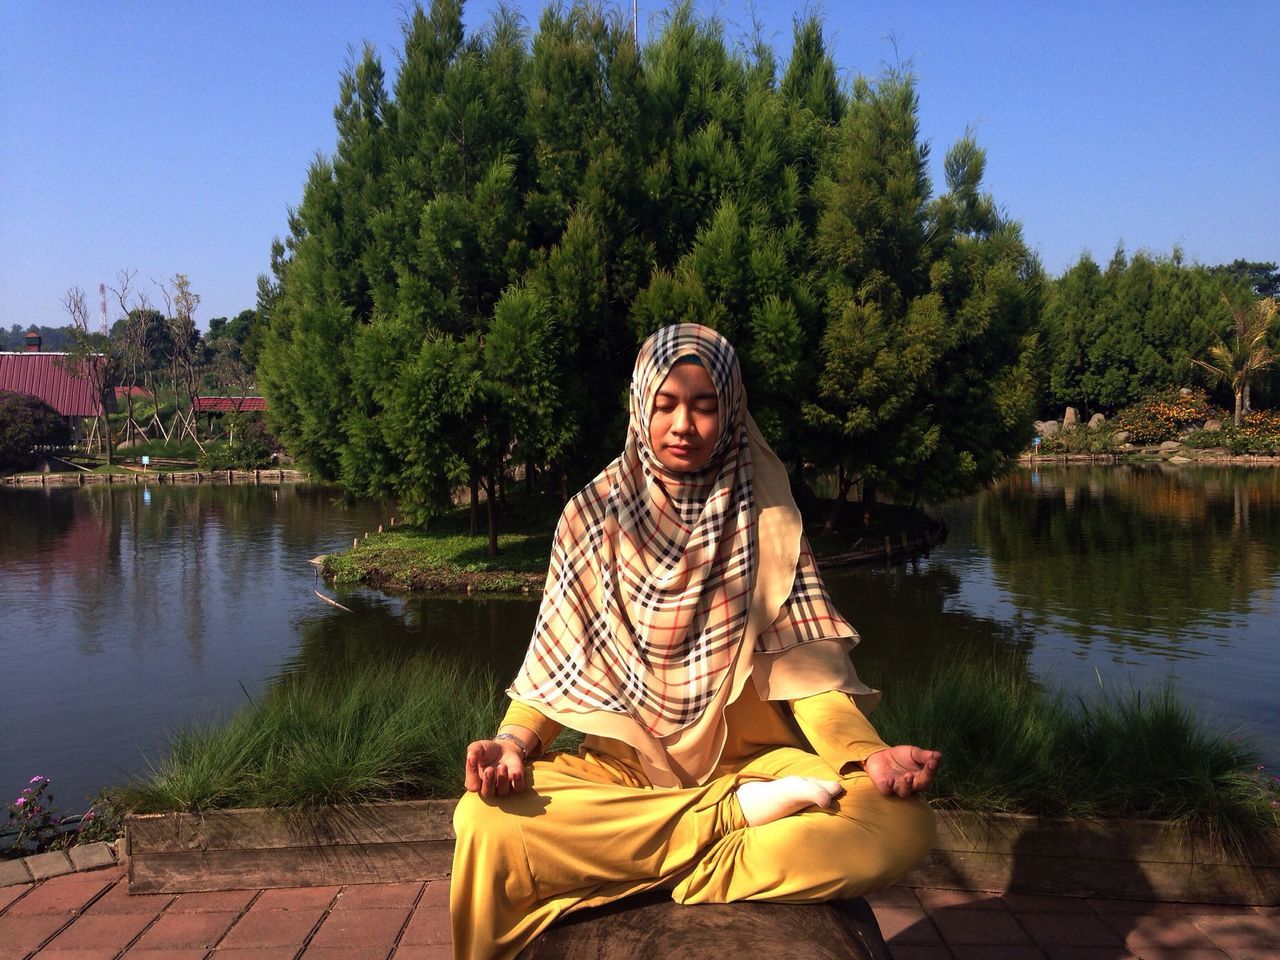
(186, 450)
(445, 556)
(386, 732)
(390, 732)
(1010, 746)
(444, 553)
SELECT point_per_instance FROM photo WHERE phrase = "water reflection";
(1136, 556)
(910, 618)
(127, 617)
(489, 635)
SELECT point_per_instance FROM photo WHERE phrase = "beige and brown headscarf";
(666, 591)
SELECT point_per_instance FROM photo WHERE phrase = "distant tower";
(102, 306)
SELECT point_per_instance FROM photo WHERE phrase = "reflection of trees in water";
(1138, 550)
(909, 621)
(489, 634)
(142, 563)
(62, 546)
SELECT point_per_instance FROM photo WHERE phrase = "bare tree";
(185, 359)
(133, 346)
(91, 358)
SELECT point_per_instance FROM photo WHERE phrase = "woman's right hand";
(494, 768)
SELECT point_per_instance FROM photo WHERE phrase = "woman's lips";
(679, 451)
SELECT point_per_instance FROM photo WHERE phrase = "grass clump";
(1010, 746)
(392, 732)
(446, 556)
(384, 732)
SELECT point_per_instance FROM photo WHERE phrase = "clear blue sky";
(172, 137)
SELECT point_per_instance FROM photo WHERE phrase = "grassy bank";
(399, 732)
(382, 733)
(447, 557)
(1013, 747)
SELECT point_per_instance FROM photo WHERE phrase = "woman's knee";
(868, 844)
(475, 818)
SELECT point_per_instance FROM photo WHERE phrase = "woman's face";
(685, 422)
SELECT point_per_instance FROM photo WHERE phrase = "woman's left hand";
(902, 770)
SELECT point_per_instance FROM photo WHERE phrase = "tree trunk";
(475, 500)
(104, 424)
(1247, 405)
(868, 501)
(493, 516)
(1239, 417)
(843, 484)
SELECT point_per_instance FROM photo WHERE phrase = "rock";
(1047, 428)
(1184, 391)
(1211, 425)
(1181, 460)
(1071, 418)
(1171, 445)
(652, 925)
(1126, 447)
(1096, 421)
(1121, 436)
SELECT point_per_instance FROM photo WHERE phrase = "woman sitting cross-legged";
(686, 631)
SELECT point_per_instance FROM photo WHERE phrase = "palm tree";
(1240, 362)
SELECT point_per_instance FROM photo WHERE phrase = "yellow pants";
(589, 830)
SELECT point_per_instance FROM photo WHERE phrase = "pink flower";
(39, 779)
(20, 801)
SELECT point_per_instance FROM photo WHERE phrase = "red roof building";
(229, 404)
(42, 375)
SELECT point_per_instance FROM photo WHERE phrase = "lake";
(127, 612)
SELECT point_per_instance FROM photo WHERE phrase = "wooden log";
(243, 849)
(652, 925)
(412, 840)
(1126, 859)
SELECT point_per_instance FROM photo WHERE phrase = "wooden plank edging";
(413, 841)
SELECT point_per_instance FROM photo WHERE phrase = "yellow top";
(829, 723)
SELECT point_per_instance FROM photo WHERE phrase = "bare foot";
(764, 801)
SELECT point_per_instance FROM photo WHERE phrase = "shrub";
(27, 422)
(1079, 439)
(1205, 439)
(1260, 433)
(251, 447)
(1164, 416)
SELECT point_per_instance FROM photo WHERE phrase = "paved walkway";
(91, 916)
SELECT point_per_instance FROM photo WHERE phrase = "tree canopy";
(1115, 335)
(466, 278)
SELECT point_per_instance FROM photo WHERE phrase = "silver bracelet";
(524, 749)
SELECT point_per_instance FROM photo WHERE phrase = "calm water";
(126, 613)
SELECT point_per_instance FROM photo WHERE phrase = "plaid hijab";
(667, 590)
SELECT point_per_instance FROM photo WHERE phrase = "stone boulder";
(651, 925)
(1121, 437)
(1211, 425)
(1184, 391)
(1070, 418)
(1096, 421)
(1047, 428)
(1171, 445)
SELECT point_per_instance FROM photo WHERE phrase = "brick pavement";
(90, 916)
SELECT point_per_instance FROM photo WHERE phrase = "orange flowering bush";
(1164, 415)
(1260, 433)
